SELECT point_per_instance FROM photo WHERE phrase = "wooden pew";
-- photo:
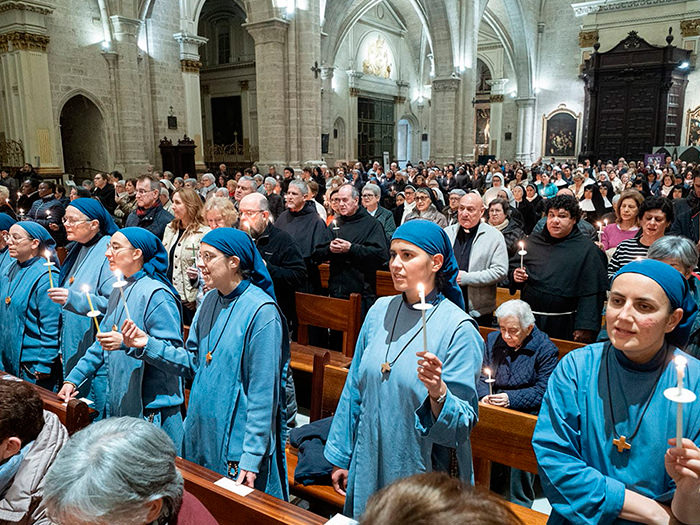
(563, 345)
(503, 295)
(229, 508)
(385, 284)
(74, 415)
(343, 315)
(324, 269)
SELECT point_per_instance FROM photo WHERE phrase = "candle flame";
(599, 224)
(421, 289)
(522, 245)
(487, 371)
(118, 274)
(680, 361)
(47, 255)
(606, 222)
(85, 288)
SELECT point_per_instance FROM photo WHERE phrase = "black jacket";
(155, 220)
(283, 258)
(355, 271)
(106, 197)
(276, 204)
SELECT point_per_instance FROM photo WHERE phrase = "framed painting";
(560, 133)
(692, 133)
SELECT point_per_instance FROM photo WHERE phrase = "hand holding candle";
(490, 380)
(93, 313)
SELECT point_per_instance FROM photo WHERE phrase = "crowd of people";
(166, 283)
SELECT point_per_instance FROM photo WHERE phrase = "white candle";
(120, 284)
(522, 253)
(86, 289)
(421, 294)
(680, 362)
(49, 264)
(600, 231)
(489, 380)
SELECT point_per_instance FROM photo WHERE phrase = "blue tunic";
(77, 330)
(5, 260)
(383, 428)
(235, 417)
(29, 318)
(136, 388)
(583, 474)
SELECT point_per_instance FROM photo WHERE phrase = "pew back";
(327, 382)
(343, 315)
(75, 415)
(229, 508)
(385, 284)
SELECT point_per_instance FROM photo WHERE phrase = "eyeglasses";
(68, 222)
(114, 250)
(208, 258)
(367, 195)
(14, 240)
(248, 213)
(143, 192)
(422, 198)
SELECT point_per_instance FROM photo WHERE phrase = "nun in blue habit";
(5, 223)
(238, 353)
(136, 388)
(28, 317)
(393, 421)
(604, 430)
(86, 269)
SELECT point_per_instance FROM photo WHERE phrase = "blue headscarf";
(95, 211)
(676, 288)
(6, 221)
(234, 242)
(155, 258)
(46, 242)
(432, 239)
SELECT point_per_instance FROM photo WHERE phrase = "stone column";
(190, 65)
(122, 57)
(497, 93)
(326, 96)
(525, 152)
(26, 112)
(270, 70)
(443, 119)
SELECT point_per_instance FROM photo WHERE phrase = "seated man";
(120, 471)
(29, 441)
(563, 275)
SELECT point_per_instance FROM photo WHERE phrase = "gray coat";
(386, 219)
(488, 265)
(23, 503)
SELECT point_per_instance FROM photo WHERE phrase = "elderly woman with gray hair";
(120, 471)
(425, 209)
(520, 358)
(682, 254)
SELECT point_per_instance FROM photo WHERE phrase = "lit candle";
(489, 380)
(21, 214)
(49, 264)
(121, 284)
(421, 294)
(600, 231)
(680, 371)
(246, 225)
(522, 253)
(93, 313)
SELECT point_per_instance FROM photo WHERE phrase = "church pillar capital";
(690, 28)
(445, 84)
(272, 31)
(498, 86)
(125, 29)
(23, 25)
(189, 48)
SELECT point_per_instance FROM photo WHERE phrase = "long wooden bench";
(229, 508)
(75, 415)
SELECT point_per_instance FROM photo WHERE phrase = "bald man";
(482, 258)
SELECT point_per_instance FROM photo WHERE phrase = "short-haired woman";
(392, 422)
(602, 435)
(425, 209)
(120, 471)
(521, 358)
(181, 240)
(220, 212)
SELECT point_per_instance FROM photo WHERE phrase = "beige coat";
(22, 504)
(184, 257)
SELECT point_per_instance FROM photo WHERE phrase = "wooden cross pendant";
(8, 300)
(71, 280)
(208, 357)
(386, 368)
(622, 444)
